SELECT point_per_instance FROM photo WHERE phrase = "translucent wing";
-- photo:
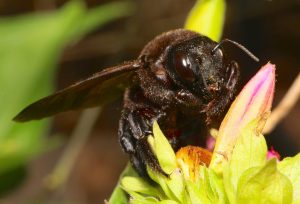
(102, 87)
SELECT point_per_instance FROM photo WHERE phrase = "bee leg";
(134, 130)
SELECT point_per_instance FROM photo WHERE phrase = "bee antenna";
(250, 54)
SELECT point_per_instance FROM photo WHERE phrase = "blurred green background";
(48, 44)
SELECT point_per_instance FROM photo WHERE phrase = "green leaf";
(228, 184)
(207, 18)
(204, 185)
(163, 150)
(140, 199)
(290, 167)
(139, 185)
(250, 151)
(119, 195)
(217, 186)
(30, 48)
(176, 185)
(173, 186)
(11, 180)
(162, 181)
(149, 200)
(212, 186)
(195, 194)
(98, 16)
(167, 202)
(264, 185)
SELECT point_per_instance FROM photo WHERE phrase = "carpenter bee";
(181, 79)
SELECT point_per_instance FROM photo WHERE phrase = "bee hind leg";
(134, 130)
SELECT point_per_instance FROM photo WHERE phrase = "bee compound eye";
(183, 65)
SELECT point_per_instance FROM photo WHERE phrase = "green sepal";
(163, 150)
(264, 185)
(290, 167)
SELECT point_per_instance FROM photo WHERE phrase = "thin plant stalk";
(284, 107)
(80, 134)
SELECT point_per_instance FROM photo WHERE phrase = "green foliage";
(207, 17)
(247, 178)
(118, 195)
(139, 185)
(290, 167)
(30, 47)
(167, 159)
(247, 153)
(264, 184)
(11, 179)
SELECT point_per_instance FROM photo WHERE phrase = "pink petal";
(272, 153)
(253, 102)
(210, 143)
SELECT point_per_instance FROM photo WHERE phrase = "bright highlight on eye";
(184, 67)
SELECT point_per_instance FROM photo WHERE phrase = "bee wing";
(101, 88)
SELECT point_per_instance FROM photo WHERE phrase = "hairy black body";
(179, 80)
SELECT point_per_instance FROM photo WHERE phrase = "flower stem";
(79, 136)
(284, 107)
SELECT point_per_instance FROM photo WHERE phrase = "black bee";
(181, 79)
